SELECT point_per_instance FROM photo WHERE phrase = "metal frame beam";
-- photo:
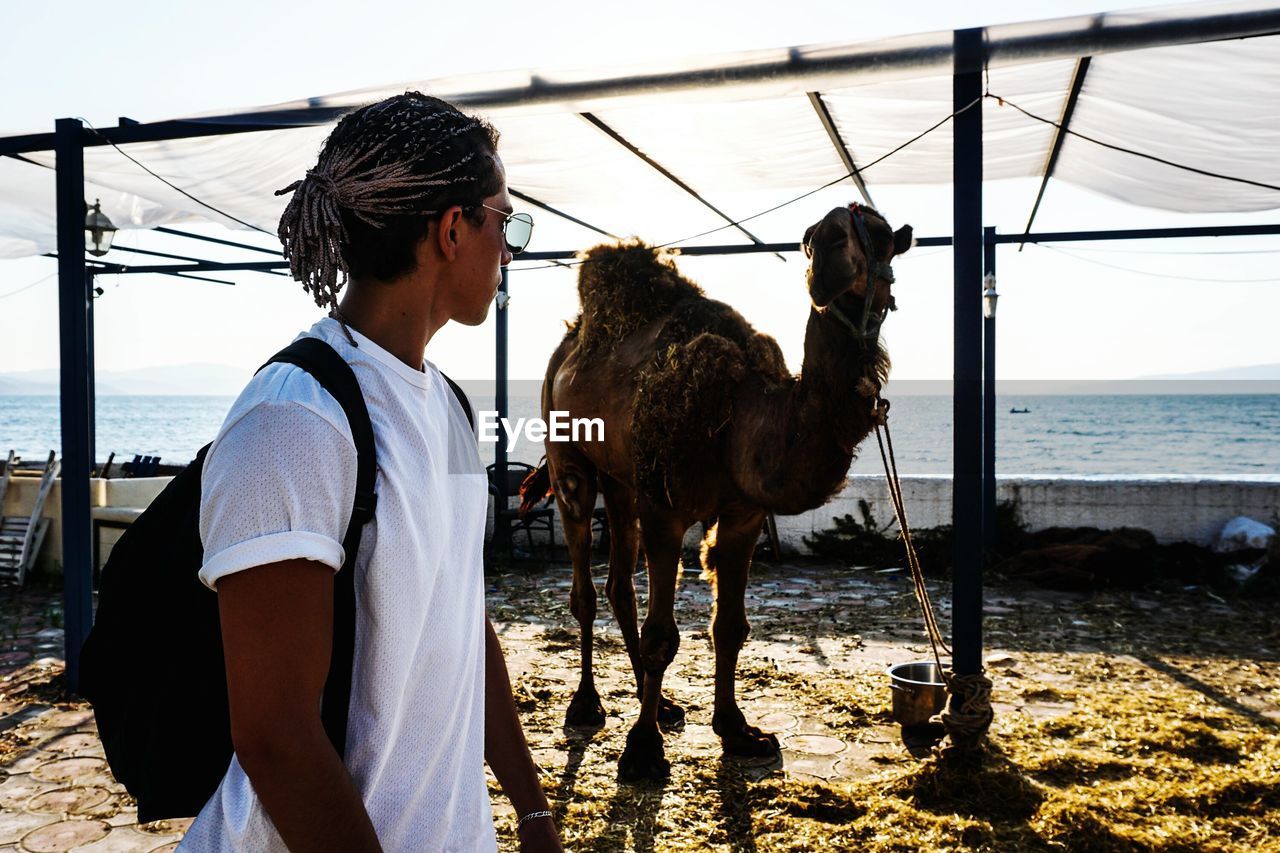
(152, 254)
(662, 170)
(751, 248)
(837, 142)
(162, 131)
(1139, 234)
(1045, 40)
(91, 387)
(528, 199)
(75, 357)
(160, 229)
(1087, 35)
(195, 260)
(96, 267)
(501, 522)
(988, 402)
(1060, 133)
(203, 266)
(131, 250)
(202, 278)
(966, 179)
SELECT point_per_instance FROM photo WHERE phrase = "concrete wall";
(1172, 510)
(21, 495)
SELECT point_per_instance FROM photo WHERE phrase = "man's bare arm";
(507, 752)
(277, 629)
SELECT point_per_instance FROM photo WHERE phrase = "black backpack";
(152, 666)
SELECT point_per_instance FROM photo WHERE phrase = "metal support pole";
(73, 328)
(988, 402)
(90, 372)
(501, 523)
(967, 224)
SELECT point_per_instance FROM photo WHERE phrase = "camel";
(703, 420)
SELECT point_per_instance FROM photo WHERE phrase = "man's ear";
(447, 232)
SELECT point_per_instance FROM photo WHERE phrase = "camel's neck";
(831, 387)
(804, 442)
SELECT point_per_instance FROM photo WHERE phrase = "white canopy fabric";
(1212, 106)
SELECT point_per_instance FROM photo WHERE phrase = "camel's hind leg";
(620, 589)
(574, 480)
(726, 557)
(643, 757)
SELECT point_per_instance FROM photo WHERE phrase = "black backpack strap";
(335, 376)
(462, 398)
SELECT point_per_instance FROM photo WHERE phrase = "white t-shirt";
(278, 484)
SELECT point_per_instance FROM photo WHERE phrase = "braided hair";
(385, 171)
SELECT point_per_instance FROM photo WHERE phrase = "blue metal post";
(73, 328)
(501, 525)
(967, 253)
(92, 395)
(988, 402)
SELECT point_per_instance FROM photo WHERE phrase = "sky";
(1096, 311)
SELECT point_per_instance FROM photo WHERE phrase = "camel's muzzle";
(868, 326)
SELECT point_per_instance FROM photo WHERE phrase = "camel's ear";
(805, 245)
(902, 240)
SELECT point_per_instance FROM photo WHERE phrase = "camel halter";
(877, 270)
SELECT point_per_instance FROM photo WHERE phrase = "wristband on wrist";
(531, 816)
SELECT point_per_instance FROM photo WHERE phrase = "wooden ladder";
(21, 536)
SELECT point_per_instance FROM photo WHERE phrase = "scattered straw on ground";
(1119, 727)
(1143, 721)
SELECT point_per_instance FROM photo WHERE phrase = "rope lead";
(968, 714)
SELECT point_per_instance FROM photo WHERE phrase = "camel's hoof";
(643, 758)
(670, 715)
(585, 710)
(751, 742)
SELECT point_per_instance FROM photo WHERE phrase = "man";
(408, 200)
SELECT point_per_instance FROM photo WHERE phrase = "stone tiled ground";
(812, 671)
(56, 792)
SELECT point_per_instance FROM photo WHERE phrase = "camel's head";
(850, 248)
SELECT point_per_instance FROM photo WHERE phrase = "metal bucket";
(918, 692)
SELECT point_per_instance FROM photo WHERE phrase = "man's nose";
(507, 257)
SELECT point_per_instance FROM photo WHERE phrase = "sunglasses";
(517, 229)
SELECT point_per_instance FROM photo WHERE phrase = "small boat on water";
(1016, 411)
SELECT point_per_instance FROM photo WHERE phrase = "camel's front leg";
(624, 545)
(643, 757)
(726, 557)
(575, 487)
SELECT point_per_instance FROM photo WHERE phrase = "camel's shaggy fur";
(622, 287)
(703, 352)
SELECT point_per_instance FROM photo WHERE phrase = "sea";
(1091, 436)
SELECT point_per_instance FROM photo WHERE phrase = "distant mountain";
(1264, 372)
(9, 385)
(200, 379)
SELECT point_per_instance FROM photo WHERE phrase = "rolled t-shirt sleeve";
(278, 484)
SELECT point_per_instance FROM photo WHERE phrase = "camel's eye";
(808, 250)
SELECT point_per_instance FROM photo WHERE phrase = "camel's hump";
(623, 286)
